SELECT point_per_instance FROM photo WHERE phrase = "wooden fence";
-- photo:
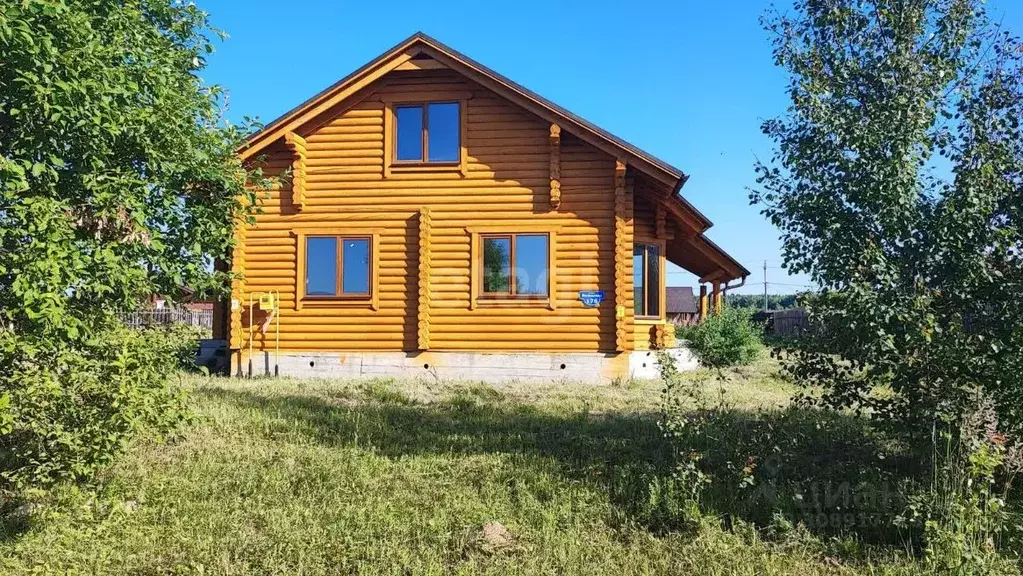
(785, 323)
(794, 322)
(164, 316)
(790, 323)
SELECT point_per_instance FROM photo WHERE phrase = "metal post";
(277, 336)
(765, 285)
(250, 335)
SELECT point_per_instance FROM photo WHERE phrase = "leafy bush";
(183, 342)
(727, 339)
(70, 410)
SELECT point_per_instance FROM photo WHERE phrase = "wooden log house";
(437, 218)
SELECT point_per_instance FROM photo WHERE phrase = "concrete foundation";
(644, 366)
(488, 367)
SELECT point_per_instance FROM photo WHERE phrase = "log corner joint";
(622, 254)
(555, 137)
(296, 144)
(425, 238)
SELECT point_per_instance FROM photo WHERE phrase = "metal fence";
(164, 316)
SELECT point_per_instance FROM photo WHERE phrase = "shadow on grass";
(834, 474)
(15, 517)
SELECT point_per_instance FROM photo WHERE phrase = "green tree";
(118, 179)
(496, 264)
(897, 184)
(756, 302)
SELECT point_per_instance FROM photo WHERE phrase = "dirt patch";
(493, 538)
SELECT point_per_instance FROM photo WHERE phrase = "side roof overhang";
(707, 260)
(416, 46)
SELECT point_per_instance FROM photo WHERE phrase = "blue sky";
(689, 81)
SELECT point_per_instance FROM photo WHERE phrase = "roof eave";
(269, 129)
(743, 272)
(676, 194)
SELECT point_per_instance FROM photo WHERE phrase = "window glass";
(321, 266)
(646, 279)
(497, 265)
(531, 264)
(653, 281)
(638, 269)
(355, 274)
(409, 145)
(443, 132)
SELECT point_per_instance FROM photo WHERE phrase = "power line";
(756, 281)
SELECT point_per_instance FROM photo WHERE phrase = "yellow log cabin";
(436, 218)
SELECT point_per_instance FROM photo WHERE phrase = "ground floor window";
(512, 268)
(338, 266)
(646, 280)
(515, 265)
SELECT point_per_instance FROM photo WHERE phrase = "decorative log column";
(717, 297)
(623, 258)
(425, 224)
(296, 144)
(703, 302)
(555, 166)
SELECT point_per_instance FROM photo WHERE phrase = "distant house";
(437, 218)
(185, 300)
(681, 305)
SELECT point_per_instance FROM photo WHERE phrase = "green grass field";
(389, 477)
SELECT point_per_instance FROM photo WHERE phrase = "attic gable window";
(428, 133)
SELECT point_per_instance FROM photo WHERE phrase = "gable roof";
(420, 45)
(680, 300)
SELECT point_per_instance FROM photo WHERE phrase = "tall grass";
(840, 475)
(400, 477)
(965, 512)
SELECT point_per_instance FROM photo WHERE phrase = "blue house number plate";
(591, 298)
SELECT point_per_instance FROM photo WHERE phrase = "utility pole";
(765, 285)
